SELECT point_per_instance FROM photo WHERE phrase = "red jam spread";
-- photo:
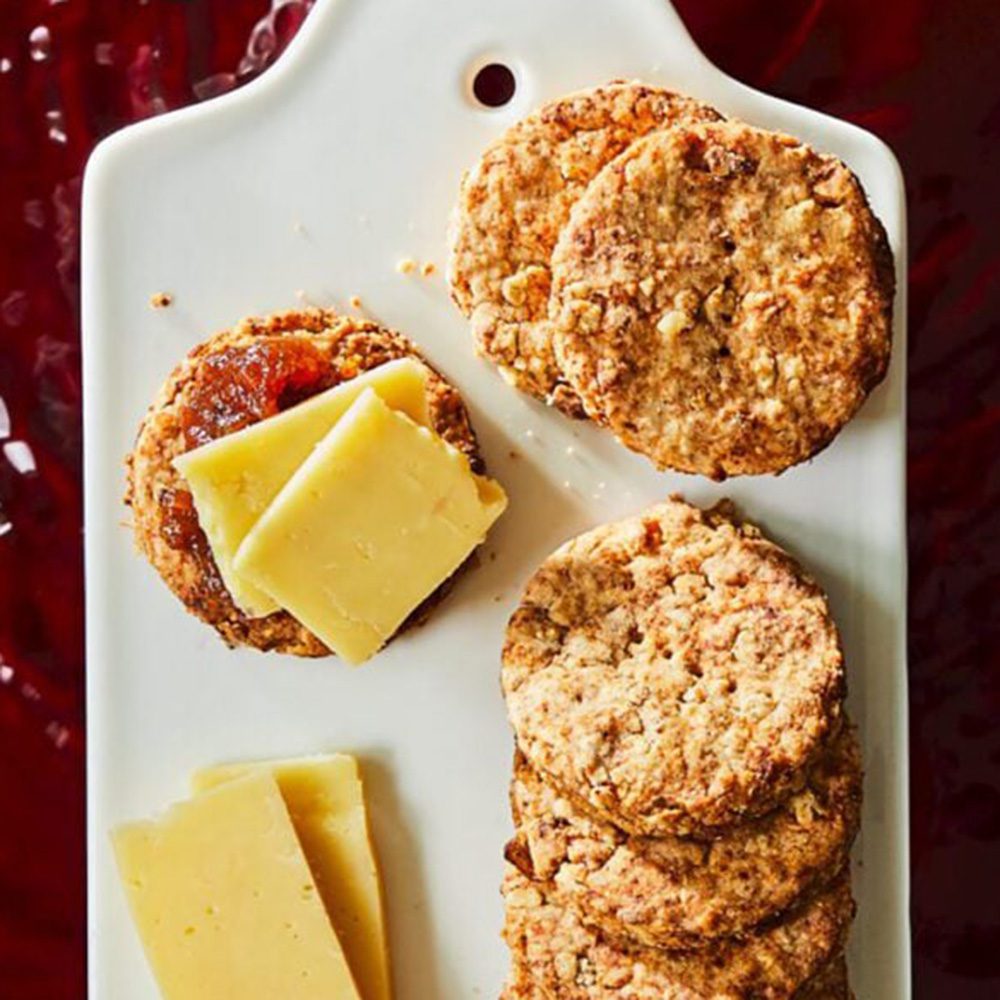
(239, 386)
(234, 388)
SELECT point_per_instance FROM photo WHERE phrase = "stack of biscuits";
(686, 786)
(717, 295)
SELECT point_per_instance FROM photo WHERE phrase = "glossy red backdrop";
(922, 74)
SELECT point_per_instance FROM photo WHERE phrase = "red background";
(922, 74)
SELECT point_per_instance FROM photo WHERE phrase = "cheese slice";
(225, 903)
(234, 478)
(325, 800)
(381, 512)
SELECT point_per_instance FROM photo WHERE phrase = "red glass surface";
(921, 74)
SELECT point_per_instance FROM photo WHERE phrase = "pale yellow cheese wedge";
(234, 478)
(325, 800)
(225, 903)
(379, 514)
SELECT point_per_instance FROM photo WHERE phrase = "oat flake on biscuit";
(675, 670)
(721, 299)
(228, 382)
(673, 892)
(567, 960)
(512, 205)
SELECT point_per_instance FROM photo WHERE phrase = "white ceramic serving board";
(314, 181)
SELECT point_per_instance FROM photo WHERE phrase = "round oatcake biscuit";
(829, 983)
(722, 299)
(673, 892)
(566, 959)
(513, 204)
(675, 670)
(230, 381)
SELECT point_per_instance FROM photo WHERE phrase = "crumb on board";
(407, 265)
(355, 301)
(160, 300)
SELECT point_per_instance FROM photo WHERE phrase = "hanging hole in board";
(494, 85)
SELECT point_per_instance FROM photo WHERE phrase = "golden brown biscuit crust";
(512, 206)
(520, 987)
(567, 960)
(829, 984)
(676, 892)
(722, 299)
(319, 349)
(675, 670)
